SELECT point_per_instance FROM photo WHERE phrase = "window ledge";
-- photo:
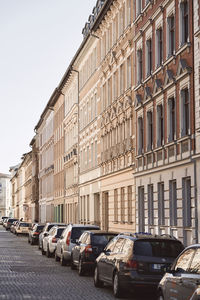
(184, 138)
(139, 85)
(183, 47)
(171, 143)
(158, 69)
(169, 59)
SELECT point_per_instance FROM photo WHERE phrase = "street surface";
(26, 274)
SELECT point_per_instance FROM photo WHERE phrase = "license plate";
(156, 266)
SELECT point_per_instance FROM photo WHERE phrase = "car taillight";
(36, 233)
(88, 249)
(131, 265)
(68, 238)
(54, 240)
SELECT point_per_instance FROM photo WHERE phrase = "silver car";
(45, 230)
(68, 240)
(51, 238)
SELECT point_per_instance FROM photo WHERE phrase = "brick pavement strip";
(26, 274)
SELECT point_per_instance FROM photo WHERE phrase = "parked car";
(135, 260)
(13, 226)
(34, 232)
(46, 228)
(68, 240)
(51, 238)
(182, 280)
(89, 246)
(5, 221)
(22, 228)
(2, 218)
(9, 222)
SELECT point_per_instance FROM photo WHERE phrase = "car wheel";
(48, 254)
(56, 257)
(97, 282)
(43, 252)
(117, 291)
(73, 267)
(28, 240)
(81, 270)
(62, 260)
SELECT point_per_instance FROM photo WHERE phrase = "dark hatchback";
(9, 222)
(182, 280)
(89, 246)
(135, 261)
(33, 236)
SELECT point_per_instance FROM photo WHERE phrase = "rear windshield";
(59, 232)
(25, 225)
(50, 226)
(12, 220)
(157, 248)
(77, 231)
(39, 228)
(103, 239)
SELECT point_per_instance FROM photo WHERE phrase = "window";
(184, 30)
(171, 120)
(114, 86)
(149, 57)
(195, 265)
(95, 152)
(186, 195)
(173, 202)
(128, 72)
(149, 130)
(171, 35)
(161, 208)
(141, 208)
(150, 205)
(109, 91)
(129, 204)
(138, 7)
(115, 205)
(140, 135)
(121, 79)
(122, 205)
(139, 66)
(185, 118)
(160, 125)
(159, 39)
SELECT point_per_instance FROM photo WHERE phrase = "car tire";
(48, 254)
(57, 258)
(73, 267)
(97, 282)
(62, 260)
(81, 270)
(117, 291)
(43, 252)
(160, 296)
(28, 240)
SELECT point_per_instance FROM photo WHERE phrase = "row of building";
(118, 143)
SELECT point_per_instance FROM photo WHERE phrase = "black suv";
(135, 260)
(182, 280)
(90, 244)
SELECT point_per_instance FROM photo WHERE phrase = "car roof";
(102, 232)
(146, 235)
(84, 225)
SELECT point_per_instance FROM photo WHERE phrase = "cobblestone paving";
(26, 275)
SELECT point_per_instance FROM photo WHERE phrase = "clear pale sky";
(38, 39)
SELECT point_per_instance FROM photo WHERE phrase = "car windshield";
(103, 239)
(39, 228)
(25, 224)
(157, 248)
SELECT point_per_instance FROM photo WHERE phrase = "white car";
(50, 239)
(23, 228)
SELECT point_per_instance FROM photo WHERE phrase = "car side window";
(119, 245)
(183, 261)
(83, 238)
(88, 239)
(195, 264)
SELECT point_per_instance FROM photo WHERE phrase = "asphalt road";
(26, 274)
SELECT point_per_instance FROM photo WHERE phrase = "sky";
(38, 39)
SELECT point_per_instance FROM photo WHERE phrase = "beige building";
(45, 138)
(27, 165)
(116, 116)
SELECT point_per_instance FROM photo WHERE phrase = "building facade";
(45, 138)
(5, 195)
(165, 128)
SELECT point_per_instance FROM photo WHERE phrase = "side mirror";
(46, 234)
